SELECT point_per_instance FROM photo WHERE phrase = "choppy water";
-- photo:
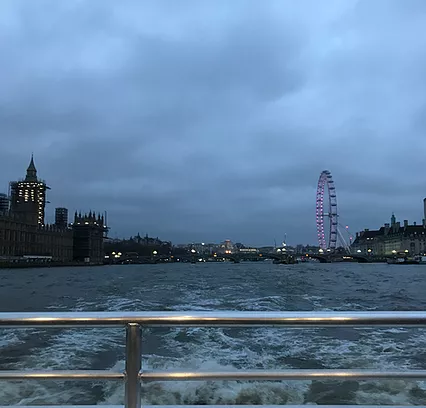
(223, 286)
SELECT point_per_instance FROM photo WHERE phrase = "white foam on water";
(70, 349)
(76, 348)
(216, 349)
(390, 392)
(30, 393)
(11, 337)
(316, 301)
(209, 392)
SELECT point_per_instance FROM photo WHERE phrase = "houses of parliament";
(24, 234)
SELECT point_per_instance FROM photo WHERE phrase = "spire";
(31, 171)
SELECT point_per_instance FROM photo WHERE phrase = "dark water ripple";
(245, 286)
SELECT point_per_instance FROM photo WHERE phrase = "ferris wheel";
(326, 212)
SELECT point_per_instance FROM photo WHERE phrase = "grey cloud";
(211, 120)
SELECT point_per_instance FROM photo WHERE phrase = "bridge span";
(195, 257)
(277, 257)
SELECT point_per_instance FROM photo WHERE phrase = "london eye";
(326, 212)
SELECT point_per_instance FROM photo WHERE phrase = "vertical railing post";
(133, 365)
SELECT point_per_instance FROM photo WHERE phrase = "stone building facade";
(392, 238)
(88, 238)
(19, 238)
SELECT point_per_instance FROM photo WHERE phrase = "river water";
(216, 286)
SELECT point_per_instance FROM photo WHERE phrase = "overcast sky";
(206, 120)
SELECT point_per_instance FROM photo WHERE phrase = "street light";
(154, 252)
(321, 251)
(359, 251)
(193, 250)
(394, 251)
(369, 251)
(406, 251)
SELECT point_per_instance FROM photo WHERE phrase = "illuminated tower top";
(28, 196)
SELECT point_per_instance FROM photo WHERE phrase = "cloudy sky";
(211, 119)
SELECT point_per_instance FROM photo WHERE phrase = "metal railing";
(133, 322)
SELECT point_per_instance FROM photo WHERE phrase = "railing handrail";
(238, 375)
(217, 319)
(227, 406)
(134, 321)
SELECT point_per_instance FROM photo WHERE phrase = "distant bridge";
(244, 256)
(349, 257)
(195, 257)
(279, 257)
(241, 256)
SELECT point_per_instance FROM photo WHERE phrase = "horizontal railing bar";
(61, 375)
(214, 406)
(258, 375)
(157, 406)
(218, 318)
(264, 375)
